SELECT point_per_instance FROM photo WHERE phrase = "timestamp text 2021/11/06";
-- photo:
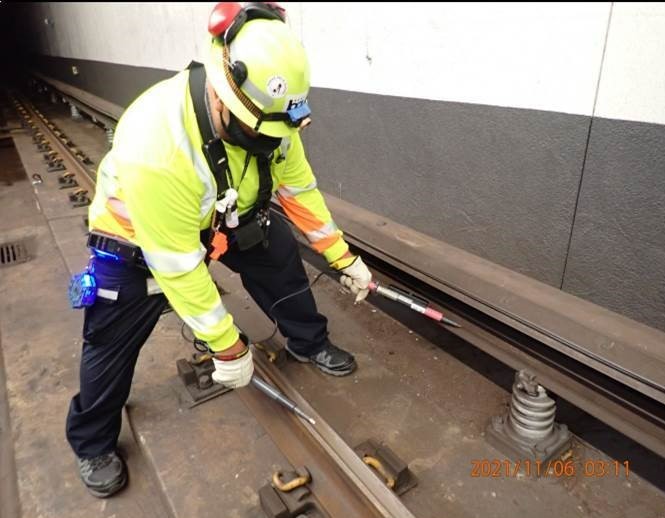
(494, 468)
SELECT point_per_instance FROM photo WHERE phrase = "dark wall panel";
(617, 256)
(119, 84)
(498, 182)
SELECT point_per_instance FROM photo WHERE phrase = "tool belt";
(110, 247)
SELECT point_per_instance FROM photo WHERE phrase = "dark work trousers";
(114, 332)
(268, 274)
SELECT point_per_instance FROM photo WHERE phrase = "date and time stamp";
(556, 468)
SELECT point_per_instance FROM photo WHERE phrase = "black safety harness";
(253, 226)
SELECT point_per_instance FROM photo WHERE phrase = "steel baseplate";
(387, 466)
(67, 180)
(501, 436)
(527, 432)
(79, 198)
(287, 496)
(196, 375)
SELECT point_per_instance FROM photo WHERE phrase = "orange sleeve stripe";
(323, 244)
(300, 215)
(122, 221)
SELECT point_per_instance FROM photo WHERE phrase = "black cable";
(182, 333)
(198, 344)
(274, 331)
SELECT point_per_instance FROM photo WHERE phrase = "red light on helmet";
(227, 18)
(222, 17)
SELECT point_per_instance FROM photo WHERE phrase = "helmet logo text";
(294, 101)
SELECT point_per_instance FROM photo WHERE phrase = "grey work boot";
(331, 360)
(103, 475)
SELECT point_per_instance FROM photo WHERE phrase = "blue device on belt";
(82, 290)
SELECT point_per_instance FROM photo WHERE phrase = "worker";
(194, 164)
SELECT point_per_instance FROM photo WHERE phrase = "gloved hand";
(357, 277)
(233, 372)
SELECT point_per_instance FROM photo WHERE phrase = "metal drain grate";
(13, 253)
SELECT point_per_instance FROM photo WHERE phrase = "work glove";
(356, 277)
(233, 372)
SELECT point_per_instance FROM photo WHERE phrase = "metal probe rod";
(275, 394)
(414, 304)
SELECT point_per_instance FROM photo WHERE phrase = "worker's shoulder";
(291, 155)
(155, 104)
(153, 121)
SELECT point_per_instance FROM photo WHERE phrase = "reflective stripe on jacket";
(154, 188)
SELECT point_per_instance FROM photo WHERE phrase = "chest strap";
(213, 147)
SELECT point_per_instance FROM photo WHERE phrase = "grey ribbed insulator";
(76, 114)
(531, 410)
(110, 132)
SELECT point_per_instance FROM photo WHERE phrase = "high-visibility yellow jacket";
(155, 189)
